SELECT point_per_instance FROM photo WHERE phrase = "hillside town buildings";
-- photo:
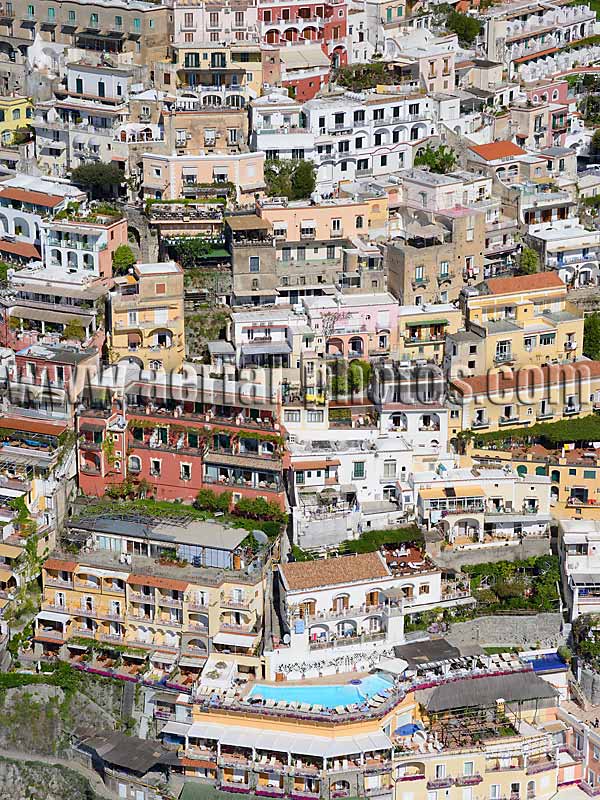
(299, 391)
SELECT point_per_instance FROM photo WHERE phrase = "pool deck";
(341, 679)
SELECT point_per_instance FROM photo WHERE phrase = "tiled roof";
(57, 563)
(158, 583)
(495, 150)
(33, 425)
(525, 283)
(332, 571)
(27, 196)
(507, 380)
(23, 249)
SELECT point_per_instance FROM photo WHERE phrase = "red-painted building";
(175, 448)
(287, 25)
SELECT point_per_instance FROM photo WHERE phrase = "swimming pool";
(328, 696)
(546, 662)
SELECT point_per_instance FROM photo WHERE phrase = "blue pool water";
(326, 696)
(545, 662)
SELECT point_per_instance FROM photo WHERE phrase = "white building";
(340, 488)
(278, 129)
(569, 248)
(579, 552)
(479, 506)
(366, 134)
(345, 613)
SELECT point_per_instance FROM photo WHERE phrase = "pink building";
(165, 176)
(282, 23)
(329, 220)
(356, 326)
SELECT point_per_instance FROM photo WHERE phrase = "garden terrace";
(187, 542)
(215, 409)
(407, 560)
(579, 430)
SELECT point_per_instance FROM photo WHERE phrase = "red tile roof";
(27, 196)
(527, 377)
(159, 583)
(495, 150)
(525, 283)
(23, 249)
(334, 571)
(57, 563)
(33, 425)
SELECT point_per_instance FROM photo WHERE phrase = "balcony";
(512, 420)
(547, 413)
(481, 423)
(533, 767)
(230, 601)
(347, 641)
(114, 638)
(194, 605)
(445, 277)
(59, 583)
(571, 408)
(570, 346)
(503, 358)
(419, 282)
(172, 602)
(440, 783)
(469, 780)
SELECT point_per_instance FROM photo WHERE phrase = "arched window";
(540, 470)
(521, 470)
(359, 222)
(16, 114)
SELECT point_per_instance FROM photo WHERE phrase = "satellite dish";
(260, 536)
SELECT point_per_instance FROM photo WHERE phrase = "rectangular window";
(137, 24)
(547, 338)
(314, 416)
(590, 475)
(93, 20)
(468, 768)
(118, 22)
(254, 262)
(292, 416)
(72, 16)
(300, 477)
(358, 470)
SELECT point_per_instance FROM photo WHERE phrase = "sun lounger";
(228, 701)
(270, 703)
(317, 708)
(294, 704)
(305, 707)
(352, 707)
(282, 704)
(340, 709)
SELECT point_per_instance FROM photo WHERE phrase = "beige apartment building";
(515, 322)
(140, 28)
(430, 264)
(146, 317)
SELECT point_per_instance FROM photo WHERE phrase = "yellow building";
(574, 474)
(516, 321)
(147, 318)
(161, 589)
(422, 330)
(15, 112)
(520, 398)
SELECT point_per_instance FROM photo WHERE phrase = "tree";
(123, 259)
(465, 27)
(438, 159)
(595, 143)
(100, 180)
(191, 250)
(303, 180)
(529, 262)
(591, 336)
(74, 330)
(278, 177)
(292, 179)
